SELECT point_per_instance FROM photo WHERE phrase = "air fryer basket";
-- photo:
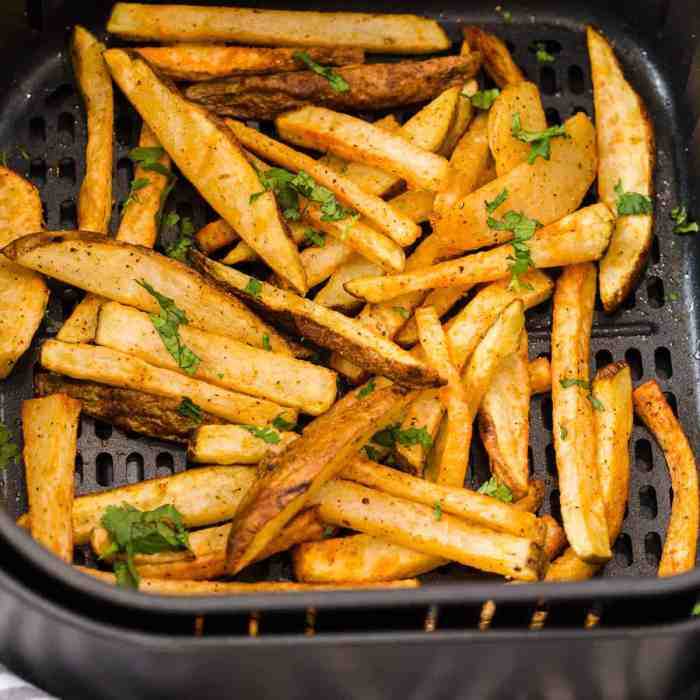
(42, 132)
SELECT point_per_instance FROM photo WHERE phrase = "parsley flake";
(539, 140)
(671, 296)
(180, 250)
(483, 99)
(402, 311)
(631, 203)
(437, 510)
(314, 237)
(136, 184)
(523, 229)
(682, 225)
(282, 424)
(147, 157)
(189, 409)
(393, 435)
(254, 288)
(492, 206)
(367, 389)
(331, 209)
(696, 609)
(597, 404)
(266, 342)
(372, 453)
(268, 435)
(495, 489)
(539, 48)
(9, 452)
(337, 82)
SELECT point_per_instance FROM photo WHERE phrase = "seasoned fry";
(112, 270)
(561, 243)
(50, 427)
(415, 525)
(532, 502)
(194, 62)
(463, 115)
(540, 373)
(373, 32)
(107, 366)
(498, 62)
(287, 481)
(355, 139)
(232, 444)
(555, 539)
(582, 507)
(334, 296)
(430, 127)
(680, 544)
(547, 190)
(226, 181)
(326, 328)
(320, 262)
(23, 293)
(626, 156)
(215, 235)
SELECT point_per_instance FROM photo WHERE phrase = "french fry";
(498, 62)
(555, 539)
(107, 366)
(415, 525)
(463, 115)
(215, 235)
(504, 421)
(555, 245)
(540, 373)
(325, 327)
(243, 252)
(227, 181)
(232, 444)
(373, 32)
(289, 480)
(547, 190)
(50, 427)
(320, 262)
(416, 204)
(534, 498)
(23, 293)
(333, 294)
(194, 62)
(112, 270)
(582, 507)
(678, 555)
(355, 139)
(626, 156)
(431, 126)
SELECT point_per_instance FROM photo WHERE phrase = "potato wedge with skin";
(414, 525)
(325, 327)
(547, 190)
(379, 33)
(50, 427)
(195, 62)
(207, 154)
(355, 139)
(498, 62)
(232, 444)
(463, 115)
(523, 99)
(107, 366)
(555, 245)
(626, 155)
(433, 123)
(23, 293)
(333, 294)
(288, 481)
(582, 507)
(540, 374)
(112, 270)
(223, 361)
(680, 545)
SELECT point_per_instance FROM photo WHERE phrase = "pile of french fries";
(372, 247)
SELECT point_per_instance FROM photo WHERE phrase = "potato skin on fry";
(498, 62)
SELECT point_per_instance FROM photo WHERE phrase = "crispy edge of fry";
(680, 545)
(215, 235)
(540, 373)
(231, 444)
(50, 427)
(498, 62)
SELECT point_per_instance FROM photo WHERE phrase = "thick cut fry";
(626, 156)
(582, 507)
(504, 421)
(463, 115)
(108, 366)
(523, 99)
(23, 293)
(498, 62)
(333, 294)
(289, 480)
(195, 62)
(215, 235)
(379, 33)
(414, 525)
(432, 124)
(577, 238)
(532, 502)
(223, 361)
(50, 427)
(320, 262)
(232, 444)
(401, 229)
(540, 373)
(680, 545)
(355, 139)
(326, 327)
(546, 191)
(127, 409)
(112, 270)
(555, 540)
(210, 158)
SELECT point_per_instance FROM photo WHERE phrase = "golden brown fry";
(232, 444)
(50, 427)
(681, 540)
(320, 262)
(555, 538)
(333, 294)
(430, 127)
(540, 373)
(498, 62)
(215, 235)
(463, 116)
(532, 502)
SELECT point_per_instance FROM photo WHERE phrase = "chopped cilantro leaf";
(282, 424)
(136, 184)
(483, 99)
(523, 229)
(563, 432)
(254, 288)
(597, 404)
(671, 296)
(180, 250)
(631, 203)
(189, 409)
(539, 48)
(266, 342)
(268, 435)
(437, 510)
(337, 82)
(495, 489)
(393, 435)
(372, 453)
(367, 389)
(143, 155)
(402, 311)
(539, 140)
(492, 206)
(314, 237)
(682, 225)
(9, 452)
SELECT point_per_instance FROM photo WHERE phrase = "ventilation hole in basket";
(125, 173)
(655, 292)
(123, 127)
(553, 118)
(37, 171)
(68, 215)
(37, 131)
(576, 83)
(662, 363)
(165, 464)
(66, 129)
(634, 359)
(627, 511)
(642, 456)
(578, 109)
(134, 468)
(548, 80)
(550, 459)
(636, 420)
(104, 469)
(530, 462)
(630, 300)
(671, 398)
(555, 505)
(655, 251)
(652, 548)
(648, 507)
(61, 94)
(102, 430)
(623, 550)
(66, 170)
(546, 412)
(603, 358)
(78, 468)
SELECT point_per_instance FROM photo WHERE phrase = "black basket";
(79, 637)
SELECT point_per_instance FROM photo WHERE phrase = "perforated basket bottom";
(42, 131)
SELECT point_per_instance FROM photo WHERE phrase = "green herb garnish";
(597, 404)
(402, 311)
(682, 225)
(367, 389)
(189, 409)
(136, 184)
(314, 237)
(268, 435)
(631, 203)
(147, 158)
(539, 48)
(671, 296)
(437, 511)
(331, 209)
(337, 82)
(393, 435)
(254, 288)
(539, 140)
(372, 453)
(484, 98)
(266, 342)
(563, 432)
(9, 451)
(282, 424)
(523, 229)
(180, 250)
(492, 206)
(495, 489)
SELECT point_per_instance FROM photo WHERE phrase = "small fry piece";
(355, 139)
(50, 427)
(680, 545)
(320, 262)
(215, 235)
(555, 539)
(463, 116)
(540, 373)
(333, 294)
(498, 62)
(432, 124)
(232, 444)
(582, 507)
(627, 154)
